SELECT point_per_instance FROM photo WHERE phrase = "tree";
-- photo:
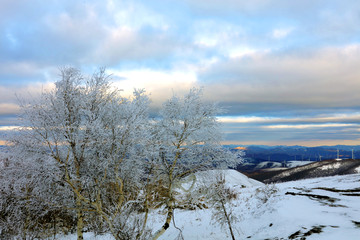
(107, 163)
(31, 199)
(93, 136)
(188, 139)
(220, 196)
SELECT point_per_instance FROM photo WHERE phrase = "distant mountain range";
(260, 153)
(287, 163)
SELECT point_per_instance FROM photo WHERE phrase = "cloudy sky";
(287, 72)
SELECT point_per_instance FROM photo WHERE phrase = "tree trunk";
(167, 222)
(80, 219)
(227, 219)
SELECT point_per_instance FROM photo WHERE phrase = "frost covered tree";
(92, 137)
(220, 197)
(95, 155)
(187, 137)
(31, 199)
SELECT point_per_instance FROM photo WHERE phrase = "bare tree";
(220, 196)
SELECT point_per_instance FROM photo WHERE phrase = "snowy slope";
(317, 169)
(295, 163)
(268, 165)
(333, 214)
(232, 178)
(325, 208)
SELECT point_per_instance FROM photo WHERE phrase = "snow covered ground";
(296, 163)
(320, 208)
(285, 216)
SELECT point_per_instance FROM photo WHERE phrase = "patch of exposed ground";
(355, 192)
(325, 200)
(339, 190)
(300, 235)
(357, 224)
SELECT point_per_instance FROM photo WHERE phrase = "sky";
(286, 72)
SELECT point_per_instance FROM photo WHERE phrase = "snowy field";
(322, 208)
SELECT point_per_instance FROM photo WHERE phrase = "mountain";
(261, 157)
(287, 153)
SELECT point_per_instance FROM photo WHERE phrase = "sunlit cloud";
(159, 84)
(9, 108)
(246, 119)
(8, 128)
(303, 126)
(322, 118)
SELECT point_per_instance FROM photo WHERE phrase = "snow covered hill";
(318, 169)
(233, 178)
(324, 208)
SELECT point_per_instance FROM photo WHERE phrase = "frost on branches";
(88, 157)
(187, 138)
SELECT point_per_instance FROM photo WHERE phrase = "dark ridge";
(312, 170)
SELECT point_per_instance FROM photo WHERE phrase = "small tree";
(187, 139)
(220, 198)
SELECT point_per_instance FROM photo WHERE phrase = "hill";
(310, 170)
(320, 208)
(286, 155)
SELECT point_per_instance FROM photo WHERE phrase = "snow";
(268, 165)
(232, 178)
(286, 214)
(330, 166)
(279, 217)
(291, 164)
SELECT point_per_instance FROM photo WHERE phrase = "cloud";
(294, 134)
(123, 45)
(353, 117)
(303, 126)
(325, 78)
(281, 32)
(309, 130)
(8, 108)
(85, 33)
(11, 95)
(8, 128)
(159, 84)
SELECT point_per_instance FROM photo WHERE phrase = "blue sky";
(287, 72)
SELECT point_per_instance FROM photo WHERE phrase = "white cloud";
(247, 119)
(219, 34)
(315, 119)
(135, 15)
(281, 32)
(241, 52)
(8, 128)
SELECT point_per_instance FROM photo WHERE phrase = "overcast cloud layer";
(287, 72)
